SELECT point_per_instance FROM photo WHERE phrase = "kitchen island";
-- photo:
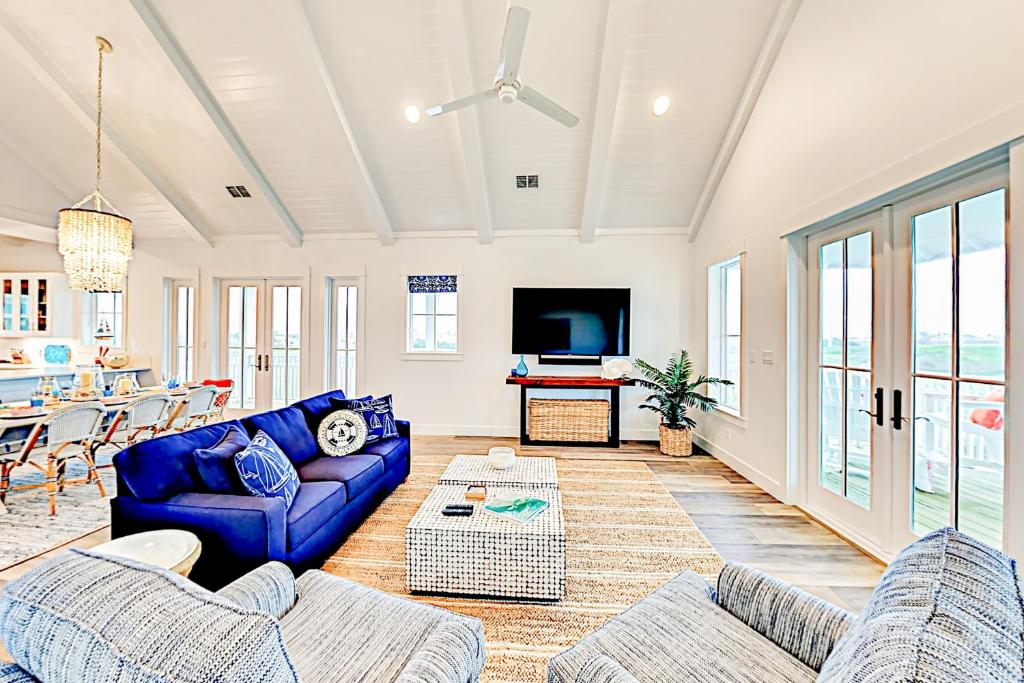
(18, 381)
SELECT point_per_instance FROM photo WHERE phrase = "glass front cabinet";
(35, 305)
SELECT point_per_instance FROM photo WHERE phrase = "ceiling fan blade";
(532, 98)
(512, 44)
(467, 101)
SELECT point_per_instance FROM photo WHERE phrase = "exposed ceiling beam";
(291, 231)
(455, 27)
(34, 231)
(770, 49)
(83, 109)
(367, 188)
(613, 54)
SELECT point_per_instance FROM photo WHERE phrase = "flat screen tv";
(567, 323)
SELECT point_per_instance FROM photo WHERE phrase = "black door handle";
(879, 413)
(897, 410)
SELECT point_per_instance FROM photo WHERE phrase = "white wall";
(449, 397)
(864, 98)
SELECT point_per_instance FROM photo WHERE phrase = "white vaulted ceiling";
(302, 102)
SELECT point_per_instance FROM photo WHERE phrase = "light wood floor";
(743, 522)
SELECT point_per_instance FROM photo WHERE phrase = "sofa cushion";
(315, 407)
(266, 471)
(315, 503)
(392, 451)
(378, 633)
(378, 413)
(356, 471)
(946, 606)
(679, 634)
(81, 616)
(156, 469)
(287, 427)
(216, 465)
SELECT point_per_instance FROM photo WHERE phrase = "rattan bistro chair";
(193, 410)
(136, 419)
(73, 426)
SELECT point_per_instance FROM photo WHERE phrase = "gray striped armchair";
(82, 616)
(948, 609)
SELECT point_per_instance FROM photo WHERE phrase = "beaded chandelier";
(96, 242)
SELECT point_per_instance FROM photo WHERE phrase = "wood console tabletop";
(569, 381)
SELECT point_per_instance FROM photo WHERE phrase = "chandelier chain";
(99, 123)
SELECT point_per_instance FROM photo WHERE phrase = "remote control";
(456, 512)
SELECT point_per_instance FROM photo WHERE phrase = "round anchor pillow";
(341, 432)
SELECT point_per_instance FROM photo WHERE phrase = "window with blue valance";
(432, 284)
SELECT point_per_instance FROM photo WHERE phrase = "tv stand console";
(582, 383)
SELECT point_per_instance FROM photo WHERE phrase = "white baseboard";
(851, 535)
(756, 476)
(511, 430)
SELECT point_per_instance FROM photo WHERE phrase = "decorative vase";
(521, 369)
(676, 442)
(501, 457)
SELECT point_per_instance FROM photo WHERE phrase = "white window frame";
(434, 354)
(331, 348)
(173, 346)
(718, 333)
(90, 320)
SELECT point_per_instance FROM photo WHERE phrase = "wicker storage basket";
(558, 419)
(677, 442)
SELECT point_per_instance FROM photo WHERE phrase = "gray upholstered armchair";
(84, 616)
(948, 609)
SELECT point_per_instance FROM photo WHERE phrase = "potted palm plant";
(672, 395)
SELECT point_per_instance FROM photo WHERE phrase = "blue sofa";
(159, 487)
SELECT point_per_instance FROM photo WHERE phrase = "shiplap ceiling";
(302, 102)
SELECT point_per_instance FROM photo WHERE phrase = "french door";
(849, 471)
(262, 340)
(907, 325)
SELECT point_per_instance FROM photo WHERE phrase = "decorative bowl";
(117, 361)
(501, 457)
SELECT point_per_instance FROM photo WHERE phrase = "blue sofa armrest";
(404, 428)
(238, 532)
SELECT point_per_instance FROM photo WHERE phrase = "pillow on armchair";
(378, 413)
(266, 471)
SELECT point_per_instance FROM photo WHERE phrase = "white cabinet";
(35, 305)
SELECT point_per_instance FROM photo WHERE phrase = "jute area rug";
(625, 536)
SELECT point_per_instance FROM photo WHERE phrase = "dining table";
(19, 418)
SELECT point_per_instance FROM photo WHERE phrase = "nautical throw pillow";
(378, 413)
(266, 471)
(341, 432)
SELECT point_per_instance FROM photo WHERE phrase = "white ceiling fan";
(507, 86)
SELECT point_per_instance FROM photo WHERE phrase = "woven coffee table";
(527, 473)
(485, 555)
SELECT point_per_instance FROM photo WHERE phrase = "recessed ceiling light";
(412, 113)
(661, 104)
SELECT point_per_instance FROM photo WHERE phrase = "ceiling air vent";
(237, 191)
(524, 181)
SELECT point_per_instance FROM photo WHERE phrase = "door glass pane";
(285, 334)
(980, 462)
(859, 301)
(858, 437)
(241, 345)
(933, 291)
(830, 439)
(831, 303)
(345, 338)
(981, 243)
(933, 437)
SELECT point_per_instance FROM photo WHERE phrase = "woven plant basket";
(677, 442)
(556, 419)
